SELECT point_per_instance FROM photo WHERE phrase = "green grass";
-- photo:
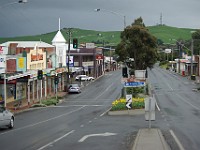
(169, 34)
(48, 102)
(165, 33)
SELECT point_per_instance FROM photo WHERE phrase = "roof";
(28, 44)
(59, 38)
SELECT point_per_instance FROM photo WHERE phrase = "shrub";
(51, 101)
(134, 90)
(120, 104)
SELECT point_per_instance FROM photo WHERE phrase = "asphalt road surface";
(79, 123)
(179, 106)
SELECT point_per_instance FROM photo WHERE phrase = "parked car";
(74, 88)
(6, 118)
(83, 78)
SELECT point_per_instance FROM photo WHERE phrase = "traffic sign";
(129, 101)
(134, 84)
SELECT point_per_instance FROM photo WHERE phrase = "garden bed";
(120, 104)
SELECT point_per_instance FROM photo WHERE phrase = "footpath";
(150, 139)
(23, 105)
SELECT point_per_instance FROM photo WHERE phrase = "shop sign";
(98, 57)
(36, 57)
(60, 70)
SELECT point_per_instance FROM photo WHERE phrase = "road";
(179, 106)
(79, 123)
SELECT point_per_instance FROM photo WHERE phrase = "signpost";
(129, 101)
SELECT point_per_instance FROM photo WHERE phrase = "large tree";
(138, 43)
(196, 42)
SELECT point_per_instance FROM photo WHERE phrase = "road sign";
(134, 84)
(3, 50)
(129, 101)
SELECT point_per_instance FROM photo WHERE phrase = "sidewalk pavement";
(150, 139)
(25, 105)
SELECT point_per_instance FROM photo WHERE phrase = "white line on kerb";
(105, 112)
(177, 141)
(56, 140)
(157, 106)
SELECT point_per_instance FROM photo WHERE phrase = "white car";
(83, 78)
(6, 118)
(74, 88)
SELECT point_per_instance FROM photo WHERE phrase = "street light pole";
(113, 12)
(5, 80)
(19, 1)
(192, 49)
(68, 54)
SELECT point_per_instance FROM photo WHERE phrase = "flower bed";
(120, 104)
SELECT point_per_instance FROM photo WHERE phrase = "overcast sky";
(41, 16)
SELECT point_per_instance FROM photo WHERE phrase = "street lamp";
(5, 80)
(19, 1)
(115, 13)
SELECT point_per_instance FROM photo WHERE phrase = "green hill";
(169, 34)
(165, 33)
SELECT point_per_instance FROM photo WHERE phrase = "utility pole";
(103, 57)
(68, 53)
(192, 49)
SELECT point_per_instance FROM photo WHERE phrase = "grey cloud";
(41, 16)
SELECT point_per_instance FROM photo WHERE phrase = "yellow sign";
(21, 62)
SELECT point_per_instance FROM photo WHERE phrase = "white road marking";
(177, 140)
(169, 86)
(188, 102)
(157, 106)
(32, 125)
(105, 112)
(76, 106)
(56, 140)
(82, 126)
(92, 135)
(104, 91)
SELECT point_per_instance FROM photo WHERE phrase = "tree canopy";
(138, 43)
(196, 40)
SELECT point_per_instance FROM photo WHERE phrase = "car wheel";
(11, 125)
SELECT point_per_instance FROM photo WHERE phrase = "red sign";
(1, 50)
(99, 57)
